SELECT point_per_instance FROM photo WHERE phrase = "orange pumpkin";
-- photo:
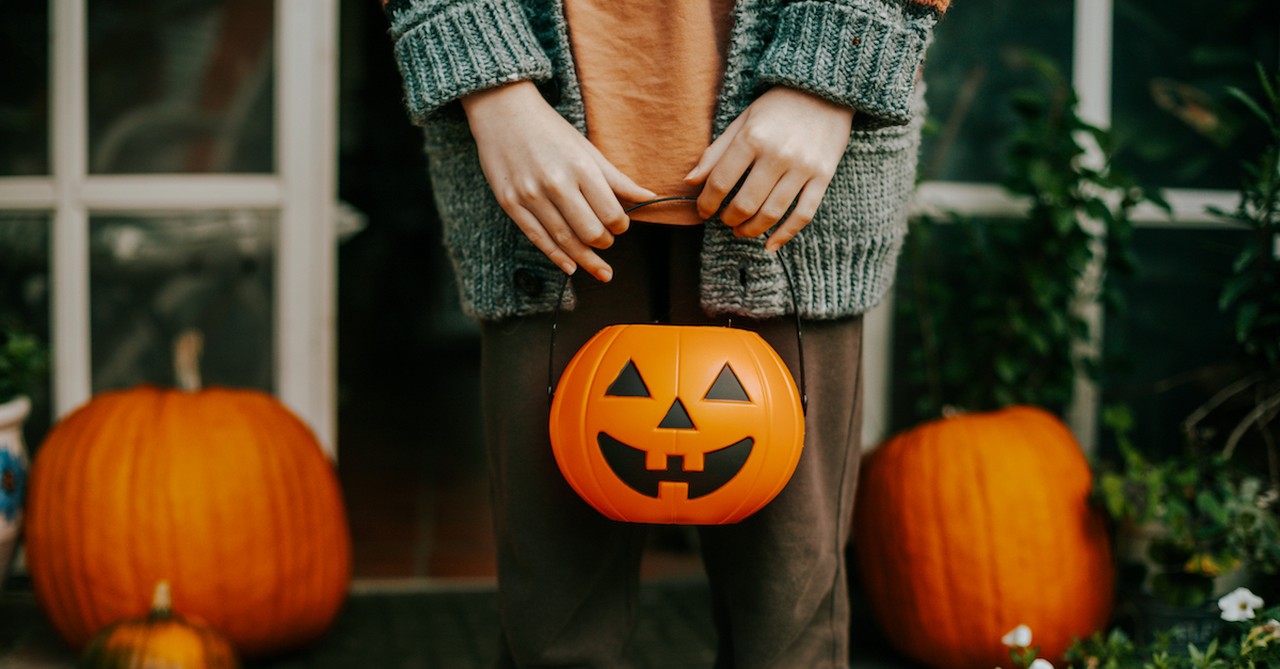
(225, 493)
(677, 424)
(972, 525)
(161, 639)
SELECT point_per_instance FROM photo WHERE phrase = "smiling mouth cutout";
(719, 467)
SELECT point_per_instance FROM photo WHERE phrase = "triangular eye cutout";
(628, 383)
(727, 387)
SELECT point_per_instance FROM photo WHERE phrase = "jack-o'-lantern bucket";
(691, 425)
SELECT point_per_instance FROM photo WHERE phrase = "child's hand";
(791, 141)
(549, 179)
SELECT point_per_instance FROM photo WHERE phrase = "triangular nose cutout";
(677, 418)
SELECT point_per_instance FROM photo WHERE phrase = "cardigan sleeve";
(864, 54)
(447, 49)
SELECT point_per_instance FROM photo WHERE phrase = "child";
(544, 120)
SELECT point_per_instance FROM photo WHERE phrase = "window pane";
(24, 297)
(1173, 348)
(152, 278)
(180, 86)
(24, 97)
(1173, 63)
(974, 64)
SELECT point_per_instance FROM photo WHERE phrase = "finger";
(806, 208)
(764, 177)
(567, 240)
(713, 153)
(779, 202)
(726, 174)
(580, 216)
(603, 195)
(604, 204)
(621, 184)
(532, 228)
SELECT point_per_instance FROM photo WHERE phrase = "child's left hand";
(791, 141)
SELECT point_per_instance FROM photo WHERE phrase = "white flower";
(1040, 663)
(1018, 637)
(1239, 604)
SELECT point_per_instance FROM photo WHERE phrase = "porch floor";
(425, 625)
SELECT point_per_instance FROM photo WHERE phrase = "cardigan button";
(526, 282)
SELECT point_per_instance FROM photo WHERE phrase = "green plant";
(1252, 644)
(1251, 296)
(1003, 324)
(1210, 511)
(23, 360)
(1206, 515)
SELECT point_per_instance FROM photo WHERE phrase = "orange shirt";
(650, 72)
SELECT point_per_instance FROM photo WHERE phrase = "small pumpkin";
(159, 639)
(223, 492)
(693, 425)
(971, 525)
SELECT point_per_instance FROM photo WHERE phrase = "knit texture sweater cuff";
(858, 54)
(448, 53)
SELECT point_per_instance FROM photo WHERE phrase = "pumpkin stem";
(186, 360)
(161, 601)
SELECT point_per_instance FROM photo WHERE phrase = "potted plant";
(1191, 528)
(22, 364)
(1204, 520)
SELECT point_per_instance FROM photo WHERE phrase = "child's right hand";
(560, 190)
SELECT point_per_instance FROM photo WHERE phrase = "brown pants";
(568, 577)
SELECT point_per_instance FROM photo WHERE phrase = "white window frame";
(1091, 75)
(302, 191)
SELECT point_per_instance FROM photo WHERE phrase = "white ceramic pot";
(13, 477)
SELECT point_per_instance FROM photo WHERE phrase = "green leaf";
(1211, 507)
(1245, 319)
(1234, 287)
(1249, 103)
(1248, 255)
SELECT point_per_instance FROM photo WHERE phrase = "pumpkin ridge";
(53, 456)
(973, 527)
(989, 437)
(767, 439)
(133, 427)
(599, 350)
(243, 452)
(1051, 461)
(1092, 570)
(1022, 512)
(271, 471)
(279, 451)
(557, 408)
(167, 451)
(983, 447)
(318, 600)
(66, 517)
(119, 417)
(227, 440)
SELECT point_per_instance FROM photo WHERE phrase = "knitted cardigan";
(865, 54)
